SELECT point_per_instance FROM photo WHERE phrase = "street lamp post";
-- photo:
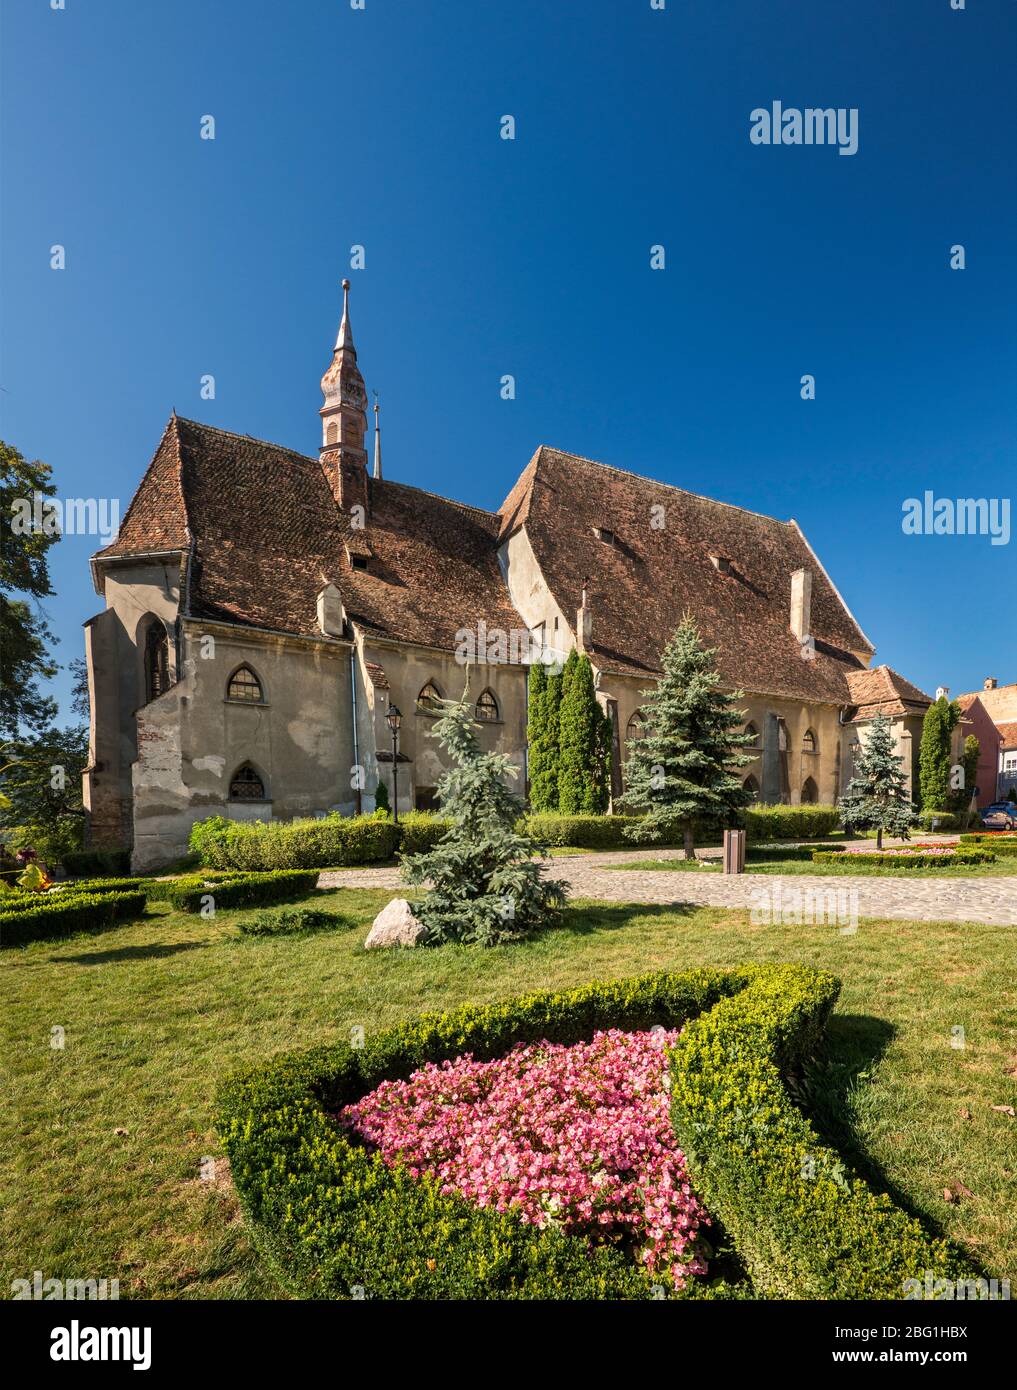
(393, 719)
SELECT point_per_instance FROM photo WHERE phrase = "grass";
(104, 1139)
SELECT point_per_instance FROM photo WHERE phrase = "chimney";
(801, 604)
(943, 692)
(584, 620)
(331, 614)
(990, 683)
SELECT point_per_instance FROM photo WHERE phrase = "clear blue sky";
(484, 256)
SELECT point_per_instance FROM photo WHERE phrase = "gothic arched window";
(753, 733)
(809, 742)
(156, 660)
(752, 785)
(245, 686)
(487, 708)
(634, 729)
(810, 792)
(429, 699)
(246, 785)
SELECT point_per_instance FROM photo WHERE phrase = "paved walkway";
(991, 900)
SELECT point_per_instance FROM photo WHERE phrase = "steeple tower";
(344, 418)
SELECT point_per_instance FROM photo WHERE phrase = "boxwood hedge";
(334, 1222)
(995, 844)
(917, 860)
(61, 914)
(243, 890)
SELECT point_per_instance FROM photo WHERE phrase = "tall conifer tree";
(681, 771)
(876, 797)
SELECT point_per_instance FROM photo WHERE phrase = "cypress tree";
(934, 754)
(580, 741)
(876, 797)
(682, 770)
(536, 749)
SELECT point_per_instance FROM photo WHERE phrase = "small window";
(487, 708)
(809, 742)
(634, 728)
(603, 534)
(753, 733)
(331, 432)
(359, 562)
(810, 792)
(429, 699)
(245, 687)
(156, 661)
(246, 785)
(751, 784)
(425, 799)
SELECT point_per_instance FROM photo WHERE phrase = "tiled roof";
(1009, 734)
(882, 690)
(1000, 702)
(267, 535)
(644, 578)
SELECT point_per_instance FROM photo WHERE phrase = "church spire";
(344, 418)
(377, 440)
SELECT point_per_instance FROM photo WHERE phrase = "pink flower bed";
(944, 851)
(573, 1136)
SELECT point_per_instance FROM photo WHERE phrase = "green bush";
(585, 832)
(105, 862)
(802, 1223)
(908, 861)
(62, 914)
(335, 1222)
(301, 844)
(789, 822)
(938, 820)
(420, 831)
(996, 844)
(289, 921)
(244, 890)
(101, 885)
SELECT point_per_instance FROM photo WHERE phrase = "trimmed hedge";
(420, 831)
(908, 861)
(62, 914)
(940, 820)
(789, 822)
(995, 844)
(245, 890)
(803, 1224)
(97, 862)
(300, 844)
(334, 1222)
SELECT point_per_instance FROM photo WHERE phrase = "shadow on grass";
(582, 920)
(825, 1091)
(169, 948)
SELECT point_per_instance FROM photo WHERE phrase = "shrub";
(62, 914)
(245, 890)
(300, 844)
(290, 921)
(100, 885)
(938, 820)
(420, 831)
(585, 832)
(104, 862)
(995, 844)
(789, 822)
(802, 1223)
(335, 1222)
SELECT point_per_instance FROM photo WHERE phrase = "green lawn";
(157, 1011)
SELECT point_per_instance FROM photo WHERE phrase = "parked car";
(1002, 815)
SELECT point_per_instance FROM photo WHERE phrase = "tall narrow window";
(634, 728)
(810, 792)
(245, 686)
(156, 660)
(246, 785)
(809, 742)
(487, 708)
(429, 699)
(753, 733)
(751, 784)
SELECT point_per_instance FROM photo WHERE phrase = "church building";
(266, 612)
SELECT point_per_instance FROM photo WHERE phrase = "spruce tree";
(581, 785)
(487, 886)
(934, 753)
(682, 770)
(876, 797)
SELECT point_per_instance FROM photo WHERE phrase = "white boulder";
(395, 925)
